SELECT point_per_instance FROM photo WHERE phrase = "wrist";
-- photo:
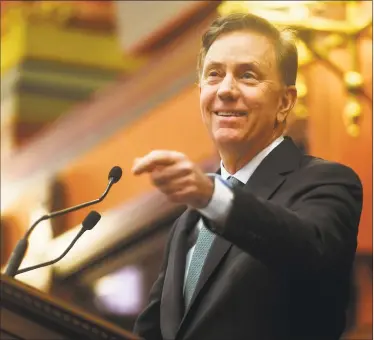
(206, 195)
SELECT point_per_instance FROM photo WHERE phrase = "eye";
(248, 75)
(212, 73)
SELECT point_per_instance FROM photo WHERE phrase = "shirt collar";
(247, 170)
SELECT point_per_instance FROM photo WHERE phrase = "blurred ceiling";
(56, 54)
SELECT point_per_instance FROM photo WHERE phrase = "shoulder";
(322, 169)
(328, 181)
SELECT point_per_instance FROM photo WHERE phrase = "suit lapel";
(269, 175)
(262, 188)
(172, 297)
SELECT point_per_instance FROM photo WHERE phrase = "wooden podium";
(27, 313)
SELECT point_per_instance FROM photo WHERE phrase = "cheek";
(255, 99)
(262, 107)
(262, 104)
(206, 98)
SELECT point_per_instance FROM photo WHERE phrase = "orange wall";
(175, 124)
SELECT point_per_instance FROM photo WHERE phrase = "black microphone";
(20, 250)
(88, 223)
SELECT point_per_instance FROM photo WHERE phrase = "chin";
(227, 137)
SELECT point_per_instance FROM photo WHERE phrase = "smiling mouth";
(230, 114)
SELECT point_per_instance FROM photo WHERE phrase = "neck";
(234, 158)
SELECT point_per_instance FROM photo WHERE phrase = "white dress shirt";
(219, 206)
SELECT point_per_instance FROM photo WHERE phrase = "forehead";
(242, 47)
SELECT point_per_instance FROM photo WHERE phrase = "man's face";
(240, 90)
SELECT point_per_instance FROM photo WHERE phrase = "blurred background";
(86, 85)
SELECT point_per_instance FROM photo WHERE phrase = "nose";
(228, 89)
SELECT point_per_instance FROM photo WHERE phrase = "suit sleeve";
(316, 232)
(147, 325)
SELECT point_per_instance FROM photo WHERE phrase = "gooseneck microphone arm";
(22, 245)
(67, 210)
(23, 270)
(89, 222)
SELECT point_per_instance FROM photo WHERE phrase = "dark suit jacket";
(281, 265)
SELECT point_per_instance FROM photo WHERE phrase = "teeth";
(229, 114)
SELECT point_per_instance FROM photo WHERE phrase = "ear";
(287, 103)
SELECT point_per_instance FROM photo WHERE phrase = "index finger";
(155, 158)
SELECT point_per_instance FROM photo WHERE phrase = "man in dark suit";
(265, 248)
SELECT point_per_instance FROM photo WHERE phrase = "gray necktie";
(203, 245)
